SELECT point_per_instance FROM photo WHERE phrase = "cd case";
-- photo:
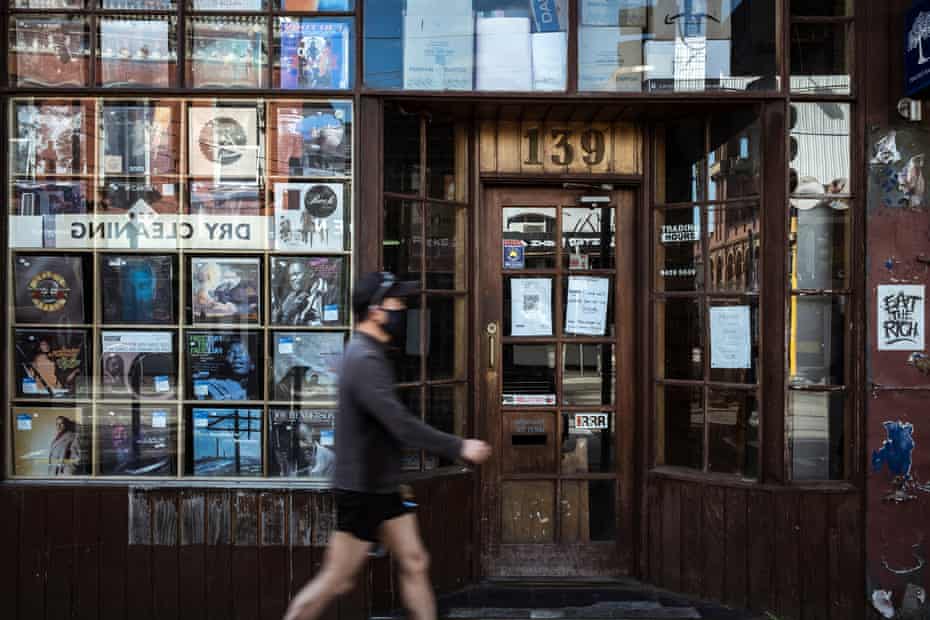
(305, 367)
(137, 289)
(137, 441)
(309, 291)
(138, 365)
(225, 290)
(301, 443)
(223, 365)
(51, 363)
(226, 442)
(49, 289)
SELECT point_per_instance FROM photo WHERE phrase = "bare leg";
(345, 555)
(402, 538)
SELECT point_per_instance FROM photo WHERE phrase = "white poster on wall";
(901, 317)
(730, 337)
(586, 308)
(531, 307)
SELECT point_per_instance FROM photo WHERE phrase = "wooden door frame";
(631, 345)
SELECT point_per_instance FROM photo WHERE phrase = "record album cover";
(138, 365)
(315, 54)
(227, 442)
(142, 199)
(314, 140)
(137, 288)
(223, 142)
(224, 365)
(306, 366)
(226, 198)
(137, 441)
(301, 443)
(309, 216)
(139, 139)
(51, 363)
(50, 441)
(49, 289)
(36, 207)
(49, 138)
(308, 291)
(225, 290)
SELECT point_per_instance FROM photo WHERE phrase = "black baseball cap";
(372, 288)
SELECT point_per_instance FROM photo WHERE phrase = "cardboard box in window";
(631, 13)
(610, 59)
(686, 64)
(668, 19)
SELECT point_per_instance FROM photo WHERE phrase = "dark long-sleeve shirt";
(373, 426)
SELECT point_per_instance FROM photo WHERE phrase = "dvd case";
(223, 142)
(313, 140)
(227, 442)
(137, 441)
(208, 198)
(50, 138)
(50, 441)
(138, 365)
(315, 53)
(309, 216)
(308, 291)
(225, 290)
(49, 289)
(305, 367)
(301, 443)
(137, 289)
(140, 138)
(51, 363)
(224, 365)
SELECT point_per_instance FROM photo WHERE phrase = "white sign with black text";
(531, 307)
(730, 337)
(586, 309)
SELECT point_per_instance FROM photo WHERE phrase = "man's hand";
(475, 451)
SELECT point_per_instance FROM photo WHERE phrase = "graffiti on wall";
(896, 170)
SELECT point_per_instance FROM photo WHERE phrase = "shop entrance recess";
(556, 315)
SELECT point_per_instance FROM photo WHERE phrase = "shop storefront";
(640, 230)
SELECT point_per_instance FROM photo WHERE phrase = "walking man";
(372, 428)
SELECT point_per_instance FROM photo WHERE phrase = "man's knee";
(414, 562)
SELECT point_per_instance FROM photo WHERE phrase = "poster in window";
(133, 440)
(137, 52)
(50, 442)
(138, 365)
(586, 306)
(219, 198)
(51, 363)
(301, 443)
(308, 291)
(137, 289)
(224, 365)
(227, 442)
(49, 51)
(49, 289)
(314, 140)
(305, 367)
(225, 290)
(223, 142)
(140, 139)
(730, 337)
(315, 53)
(531, 307)
(309, 216)
(49, 139)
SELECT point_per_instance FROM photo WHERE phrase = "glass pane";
(679, 339)
(816, 435)
(137, 5)
(527, 512)
(446, 159)
(588, 306)
(227, 52)
(49, 289)
(588, 240)
(534, 230)
(528, 306)
(141, 138)
(51, 441)
(223, 365)
(310, 291)
(820, 256)
(315, 5)
(137, 52)
(314, 53)
(446, 247)
(816, 340)
(35, 207)
(529, 374)
(588, 511)
(446, 411)
(734, 340)
(735, 158)
(733, 432)
(402, 231)
(138, 289)
(734, 241)
(680, 426)
(406, 356)
(528, 443)
(446, 345)
(822, 8)
(52, 363)
(401, 151)
(311, 139)
(411, 398)
(301, 443)
(311, 216)
(588, 443)
(209, 198)
(138, 365)
(820, 148)
(678, 251)
(305, 366)
(137, 441)
(49, 4)
(819, 62)
(588, 374)
(225, 442)
(227, 5)
(49, 51)
(680, 152)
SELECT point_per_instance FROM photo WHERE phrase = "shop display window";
(49, 51)
(227, 52)
(137, 52)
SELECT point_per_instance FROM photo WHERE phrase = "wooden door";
(556, 366)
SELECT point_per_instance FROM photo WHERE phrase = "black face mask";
(396, 326)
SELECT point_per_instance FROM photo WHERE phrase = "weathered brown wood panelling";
(166, 553)
(792, 551)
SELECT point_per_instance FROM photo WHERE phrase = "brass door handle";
(492, 345)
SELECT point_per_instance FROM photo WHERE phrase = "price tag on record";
(24, 422)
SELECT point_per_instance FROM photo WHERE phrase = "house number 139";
(565, 144)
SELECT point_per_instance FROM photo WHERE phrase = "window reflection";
(588, 374)
(733, 429)
(588, 442)
(49, 51)
(816, 435)
(534, 229)
(816, 344)
(819, 58)
(228, 52)
(588, 237)
(733, 246)
(820, 149)
(137, 52)
(680, 426)
(529, 374)
(820, 244)
(679, 339)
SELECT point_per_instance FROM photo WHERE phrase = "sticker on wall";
(900, 321)
(896, 168)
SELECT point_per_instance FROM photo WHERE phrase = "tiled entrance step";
(614, 610)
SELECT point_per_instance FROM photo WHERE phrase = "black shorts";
(361, 514)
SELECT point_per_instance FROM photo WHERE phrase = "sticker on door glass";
(528, 400)
(531, 307)
(514, 254)
(586, 308)
(592, 421)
